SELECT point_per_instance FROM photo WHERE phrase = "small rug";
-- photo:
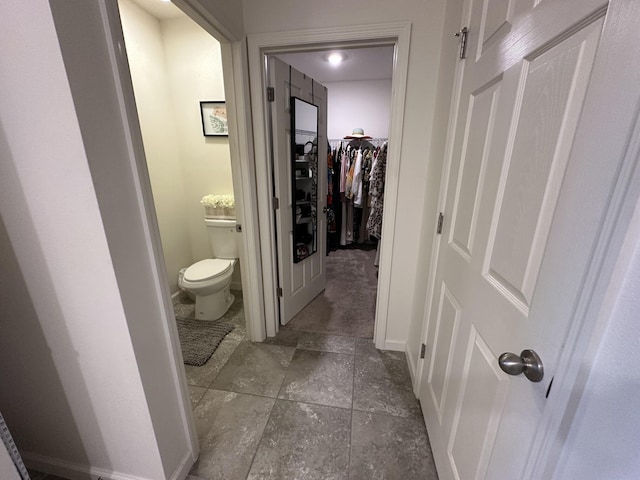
(200, 338)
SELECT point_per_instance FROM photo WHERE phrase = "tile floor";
(303, 406)
(306, 406)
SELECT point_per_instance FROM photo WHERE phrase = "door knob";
(528, 363)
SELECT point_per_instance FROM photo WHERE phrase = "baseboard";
(184, 467)
(73, 471)
(236, 285)
(413, 368)
(395, 345)
(175, 297)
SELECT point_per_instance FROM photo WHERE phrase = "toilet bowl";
(210, 281)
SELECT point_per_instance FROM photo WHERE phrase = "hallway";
(307, 405)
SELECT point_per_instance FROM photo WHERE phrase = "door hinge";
(271, 94)
(423, 350)
(440, 222)
(463, 41)
(279, 291)
(276, 203)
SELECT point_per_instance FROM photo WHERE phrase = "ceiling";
(368, 63)
(159, 9)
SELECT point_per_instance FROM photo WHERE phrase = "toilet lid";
(206, 269)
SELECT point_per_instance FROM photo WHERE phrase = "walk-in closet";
(359, 90)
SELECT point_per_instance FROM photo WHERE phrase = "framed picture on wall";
(214, 119)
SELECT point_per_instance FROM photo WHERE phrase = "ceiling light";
(334, 58)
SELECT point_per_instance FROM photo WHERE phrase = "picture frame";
(214, 118)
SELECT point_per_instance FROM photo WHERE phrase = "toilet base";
(212, 307)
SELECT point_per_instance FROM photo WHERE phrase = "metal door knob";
(528, 363)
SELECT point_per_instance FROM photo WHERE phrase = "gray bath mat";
(200, 338)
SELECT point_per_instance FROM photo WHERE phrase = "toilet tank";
(223, 238)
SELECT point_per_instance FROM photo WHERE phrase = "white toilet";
(210, 279)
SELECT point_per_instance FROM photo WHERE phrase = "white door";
(300, 282)
(506, 278)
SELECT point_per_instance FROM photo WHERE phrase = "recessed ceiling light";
(334, 58)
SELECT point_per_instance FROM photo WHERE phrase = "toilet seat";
(207, 269)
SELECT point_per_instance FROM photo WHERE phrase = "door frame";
(259, 45)
(608, 113)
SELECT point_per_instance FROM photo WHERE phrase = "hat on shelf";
(357, 133)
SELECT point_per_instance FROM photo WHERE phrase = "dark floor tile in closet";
(347, 305)
(255, 368)
(327, 343)
(383, 385)
(383, 446)
(229, 426)
(303, 441)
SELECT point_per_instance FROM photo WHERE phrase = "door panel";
(550, 95)
(300, 282)
(495, 22)
(482, 109)
(479, 409)
(518, 109)
(446, 334)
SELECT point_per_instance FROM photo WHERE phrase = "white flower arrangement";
(219, 205)
(218, 201)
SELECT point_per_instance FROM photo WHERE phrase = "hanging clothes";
(356, 185)
(376, 190)
(344, 169)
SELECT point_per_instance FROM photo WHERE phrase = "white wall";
(363, 104)
(605, 434)
(419, 174)
(174, 65)
(159, 131)
(76, 398)
(194, 70)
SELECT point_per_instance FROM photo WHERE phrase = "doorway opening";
(261, 45)
(359, 95)
(177, 75)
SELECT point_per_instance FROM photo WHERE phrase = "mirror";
(304, 181)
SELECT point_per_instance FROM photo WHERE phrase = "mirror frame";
(304, 182)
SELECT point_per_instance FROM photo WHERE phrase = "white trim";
(413, 367)
(398, 33)
(77, 471)
(244, 184)
(175, 297)
(395, 346)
